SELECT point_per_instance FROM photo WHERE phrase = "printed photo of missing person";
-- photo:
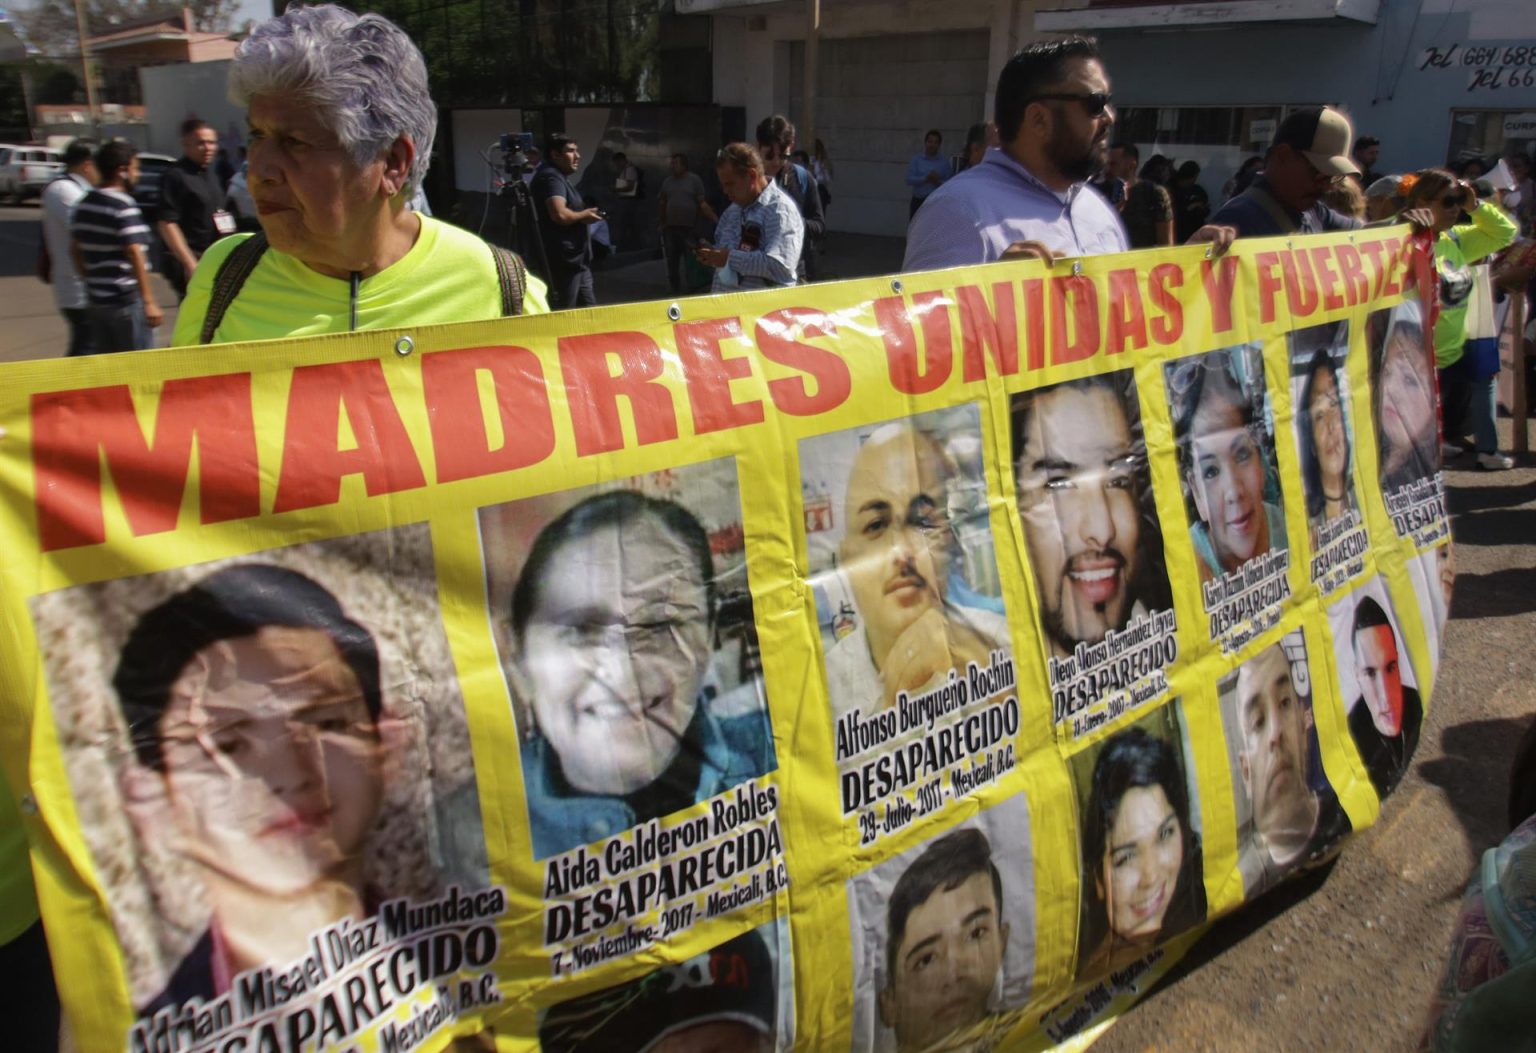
(736, 998)
(1324, 428)
(902, 561)
(1143, 876)
(944, 937)
(255, 753)
(1288, 815)
(1377, 683)
(1085, 498)
(1433, 574)
(623, 615)
(1224, 428)
(1403, 396)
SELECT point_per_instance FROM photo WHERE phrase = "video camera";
(515, 147)
(522, 217)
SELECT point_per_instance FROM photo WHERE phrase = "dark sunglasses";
(1452, 201)
(1094, 102)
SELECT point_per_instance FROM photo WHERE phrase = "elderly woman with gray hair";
(341, 130)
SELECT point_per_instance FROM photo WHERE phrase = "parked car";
(25, 170)
(147, 190)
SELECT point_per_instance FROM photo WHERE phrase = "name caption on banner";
(1122, 671)
(1247, 602)
(940, 745)
(658, 881)
(1342, 545)
(1418, 509)
(353, 974)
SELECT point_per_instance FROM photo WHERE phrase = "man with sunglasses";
(1310, 152)
(1030, 197)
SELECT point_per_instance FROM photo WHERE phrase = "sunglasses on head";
(1094, 102)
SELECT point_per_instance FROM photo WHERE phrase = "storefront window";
(1491, 134)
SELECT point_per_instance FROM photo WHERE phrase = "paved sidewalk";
(30, 324)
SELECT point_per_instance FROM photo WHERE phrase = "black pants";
(674, 242)
(29, 1002)
(82, 341)
(1456, 401)
(571, 288)
(177, 275)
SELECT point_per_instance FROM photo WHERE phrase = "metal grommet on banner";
(896, 286)
(27, 803)
(674, 312)
(1077, 268)
(1207, 252)
(1290, 244)
(404, 346)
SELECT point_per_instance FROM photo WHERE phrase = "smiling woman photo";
(1142, 872)
(1226, 463)
(1326, 471)
(612, 622)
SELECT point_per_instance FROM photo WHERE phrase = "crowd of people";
(341, 130)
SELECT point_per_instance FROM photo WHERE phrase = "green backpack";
(1498, 1014)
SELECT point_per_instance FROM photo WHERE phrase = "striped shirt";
(764, 242)
(106, 223)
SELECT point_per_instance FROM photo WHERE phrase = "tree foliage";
(49, 25)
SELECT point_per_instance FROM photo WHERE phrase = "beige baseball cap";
(1323, 135)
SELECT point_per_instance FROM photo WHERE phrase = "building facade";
(1202, 80)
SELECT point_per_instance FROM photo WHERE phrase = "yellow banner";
(892, 664)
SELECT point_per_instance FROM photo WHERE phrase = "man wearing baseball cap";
(1310, 151)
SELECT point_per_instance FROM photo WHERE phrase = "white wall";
(188, 89)
(474, 131)
(752, 69)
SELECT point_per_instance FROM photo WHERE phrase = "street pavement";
(1344, 959)
(1347, 960)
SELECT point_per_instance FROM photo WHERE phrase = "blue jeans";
(1482, 412)
(121, 327)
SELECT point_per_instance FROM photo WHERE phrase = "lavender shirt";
(980, 212)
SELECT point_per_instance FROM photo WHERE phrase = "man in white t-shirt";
(58, 206)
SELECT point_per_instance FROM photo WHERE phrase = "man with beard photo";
(896, 554)
(1294, 822)
(1385, 719)
(1030, 197)
(1403, 397)
(1085, 499)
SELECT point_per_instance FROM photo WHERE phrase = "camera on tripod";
(522, 217)
(515, 148)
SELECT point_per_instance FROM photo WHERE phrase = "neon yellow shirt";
(18, 900)
(447, 276)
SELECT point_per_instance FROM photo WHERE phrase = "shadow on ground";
(1474, 772)
(1238, 926)
(1497, 595)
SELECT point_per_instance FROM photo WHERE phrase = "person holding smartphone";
(757, 244)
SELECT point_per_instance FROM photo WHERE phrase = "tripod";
(523, 235)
